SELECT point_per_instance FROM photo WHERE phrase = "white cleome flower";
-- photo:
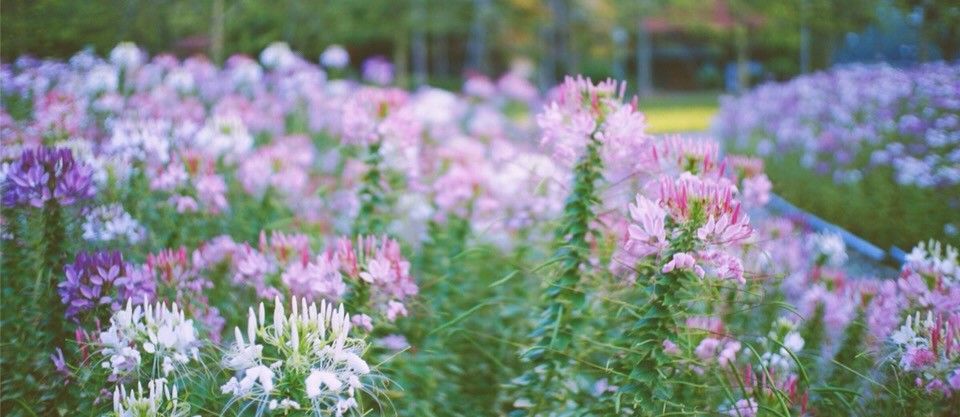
(829, 249)
(793, 341)
(163, 335)
(111, 222)
(224, 136)
(159, 400)
(126, 55)
(302, 359)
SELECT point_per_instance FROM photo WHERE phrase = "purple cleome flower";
(44, 174)
(102, 278)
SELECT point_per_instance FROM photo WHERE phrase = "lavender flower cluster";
(42, 175)
(102, 279)
(848, 121)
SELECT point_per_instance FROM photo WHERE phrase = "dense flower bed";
(863, 127)
(258, 239)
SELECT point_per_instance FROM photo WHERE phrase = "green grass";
(679, 112)
(877, 208)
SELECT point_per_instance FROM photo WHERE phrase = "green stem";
(52, 253)
(648, 365)
(563, 302)
(851, 356)
(369, 219)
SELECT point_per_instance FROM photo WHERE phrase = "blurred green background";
(659, 45)
(698, 47)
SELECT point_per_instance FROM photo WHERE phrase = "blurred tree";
(830, 20)
(940, 25)
(630, 14)
(448, 36)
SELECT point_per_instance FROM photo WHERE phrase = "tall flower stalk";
(372, 194)
(38, 187)
(372, 117)
(677, 238)
(583, 119)
(563, 301)
(48, 179)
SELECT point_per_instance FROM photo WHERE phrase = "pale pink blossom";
(683, 261)
(647, 235)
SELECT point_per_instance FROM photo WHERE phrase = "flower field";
(869, 141)
(271, 237)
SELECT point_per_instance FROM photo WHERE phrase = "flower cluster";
(829, 249)
(159, 400)
(378, 70)
(149, 339)
(45, 174)
(697, 219)
(285, 260)
(112, 223)
(271, 179)
(302, 361)
(372, 115)
(335, 56)
(282, 165)
(184, 280)
(928, 347)
(377, 263)
(903, 119)
(581, 111)
(102, 279)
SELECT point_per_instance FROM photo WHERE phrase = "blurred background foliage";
(657, 44)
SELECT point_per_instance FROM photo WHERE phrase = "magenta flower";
(378, 263)
(212, 193)
(917, 358)
(675, 155)
(318, 279)
(670, 348)
(725, 224)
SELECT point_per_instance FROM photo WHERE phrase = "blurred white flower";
(335, 56)
(126, 56)
(828, 249)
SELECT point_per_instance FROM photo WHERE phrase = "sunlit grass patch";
(679, 112)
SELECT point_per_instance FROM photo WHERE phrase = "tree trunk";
(547, 63)
(439, 55)
(216, 32)
(743, 58)
(804, 37)
(644, 62)
(561, 36)
(419, 51)
(619, 37)
(400, 50)
(477, 44)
